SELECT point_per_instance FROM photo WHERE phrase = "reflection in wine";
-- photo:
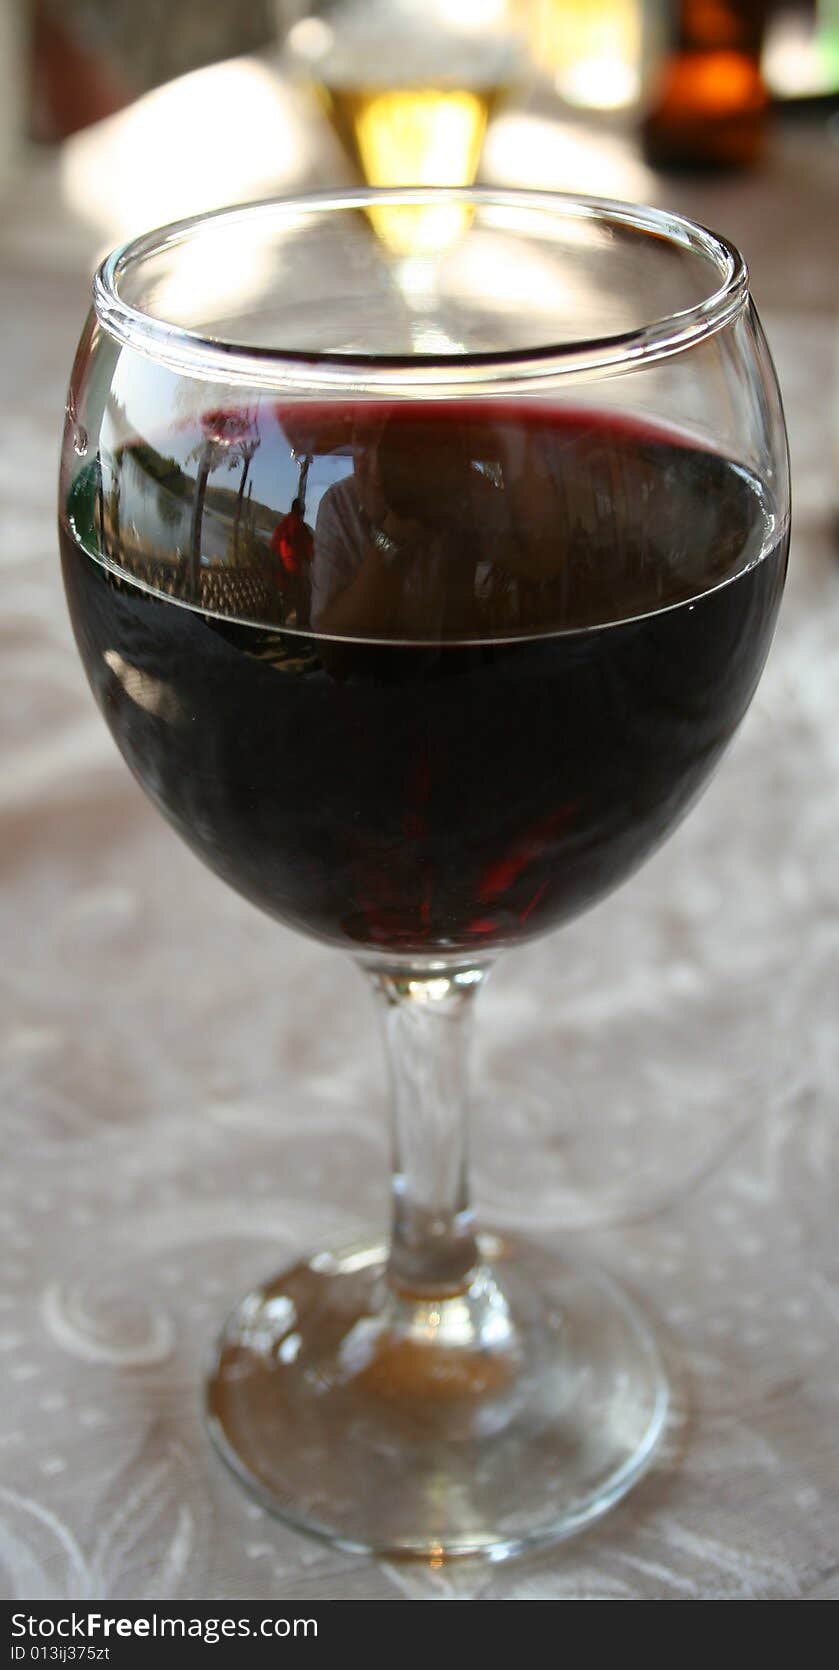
(535, 631)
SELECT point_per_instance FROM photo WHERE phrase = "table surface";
(192, 1095)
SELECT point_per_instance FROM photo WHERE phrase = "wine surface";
(456, 699)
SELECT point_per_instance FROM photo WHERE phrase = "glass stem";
(426, 1021)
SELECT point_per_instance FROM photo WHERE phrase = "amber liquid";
(711, 103)
(413, 135)
(411, 108)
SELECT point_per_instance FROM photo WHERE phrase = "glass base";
(483, 1422)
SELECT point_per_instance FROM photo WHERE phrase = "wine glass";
(423, 615)
(409, 90)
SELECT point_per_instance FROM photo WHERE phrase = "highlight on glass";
(423, 601)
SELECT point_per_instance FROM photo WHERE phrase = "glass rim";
(487, 370)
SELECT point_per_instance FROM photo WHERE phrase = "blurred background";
(114, 117)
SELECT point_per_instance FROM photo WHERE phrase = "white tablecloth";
(192, 1095)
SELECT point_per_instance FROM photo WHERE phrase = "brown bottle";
(709, 106)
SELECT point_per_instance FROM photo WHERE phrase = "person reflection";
(292, 544)
(453, 528)
(373, 565)
(407, 545)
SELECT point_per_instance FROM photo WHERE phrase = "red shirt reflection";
(293, 543)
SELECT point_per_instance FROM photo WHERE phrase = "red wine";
(527, 636)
